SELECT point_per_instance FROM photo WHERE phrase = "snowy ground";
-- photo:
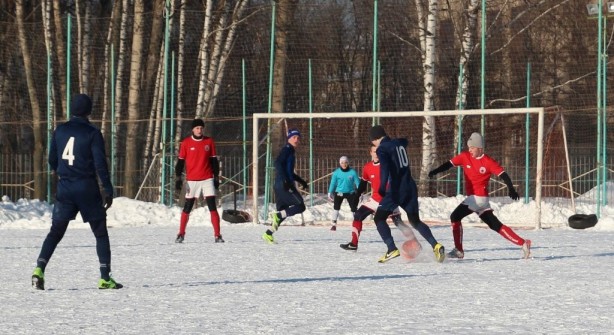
(305, 283)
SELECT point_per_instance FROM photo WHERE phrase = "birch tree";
(470, 22)
(428, 22)
(216, 43)
(112, 31)
(180, 64)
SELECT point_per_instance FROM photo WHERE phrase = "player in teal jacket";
(343, 185)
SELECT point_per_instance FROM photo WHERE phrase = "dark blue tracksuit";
(286, 196)
(77, 155)
(397, 188)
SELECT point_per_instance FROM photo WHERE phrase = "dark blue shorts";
(286, 198)
(406, 198)
(82, 196)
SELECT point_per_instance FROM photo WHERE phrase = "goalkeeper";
(343, 185)
(477, 168)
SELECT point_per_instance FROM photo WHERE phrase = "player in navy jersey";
(397, 188)
(77, 155)
(197, 154)
(287, 199)
(477, 168)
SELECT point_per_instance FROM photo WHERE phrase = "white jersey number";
(67, 154)
(402, 155)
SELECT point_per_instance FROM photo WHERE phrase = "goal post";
(346, 134)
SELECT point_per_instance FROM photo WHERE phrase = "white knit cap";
(475, 140)
(344, 159)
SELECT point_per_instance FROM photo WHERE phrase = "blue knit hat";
(293, 132)
(81, 105)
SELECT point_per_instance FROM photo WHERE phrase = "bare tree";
(61, 54)
(131, 175)
(37, 121)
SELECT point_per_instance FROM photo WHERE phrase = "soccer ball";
(411, 249)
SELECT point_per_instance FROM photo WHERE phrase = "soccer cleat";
(348, 246)
(526, 249)
(275, 221)
(440, 252)
(455, 253)
(109, 284)
(268, 238)
(389, 255)
(38, 279)
(179, 239)
(219, 239)
(333, 228)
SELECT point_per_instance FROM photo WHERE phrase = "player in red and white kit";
(477, 168)
(371, 175)
(197, 155)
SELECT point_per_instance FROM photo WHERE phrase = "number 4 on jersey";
(67, 154)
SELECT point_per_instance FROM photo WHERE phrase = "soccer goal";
(514, 137)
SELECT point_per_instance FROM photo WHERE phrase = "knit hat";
(376, 132)
(475, 140)
(81, 105)
(293, 132)
(344, 159)
(197, 123)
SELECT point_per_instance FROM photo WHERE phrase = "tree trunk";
(61, 55)
(285, 17)
(38, 168)
(131, 175)
(428, 41)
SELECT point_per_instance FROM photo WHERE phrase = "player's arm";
(215, 166)
(510, 187)
(100, 163)
(443, 167)
(53, 154)
(362, 187)
(384, 167)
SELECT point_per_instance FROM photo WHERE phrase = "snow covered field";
(305, 284)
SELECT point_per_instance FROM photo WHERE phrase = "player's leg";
(460, 212)
(208, 190)
(185, 217)
(493, 222)
(384, 232)
(103, 250)
(359, 216)
(337, 201)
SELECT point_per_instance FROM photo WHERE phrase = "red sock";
(509, 234)
(183, 222)
(215, 222)
(457, 233)
(356, 229)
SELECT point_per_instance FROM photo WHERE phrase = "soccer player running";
(197, 155)
(397, 188)
(343, 185)
(77, 155)
(287, 198)
(371, 174)
(477, 168)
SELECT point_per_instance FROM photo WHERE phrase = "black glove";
(178, 184)
(513, 194)
(108, 201)
(303, 184)
(289, 186)
(216, 183)
(432, 174)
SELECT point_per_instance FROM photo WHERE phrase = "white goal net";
(513, 137)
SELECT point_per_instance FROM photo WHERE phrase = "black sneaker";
(219, 239)
(348, 246)
(179, 239)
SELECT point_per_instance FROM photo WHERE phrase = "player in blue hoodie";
(77, 155)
